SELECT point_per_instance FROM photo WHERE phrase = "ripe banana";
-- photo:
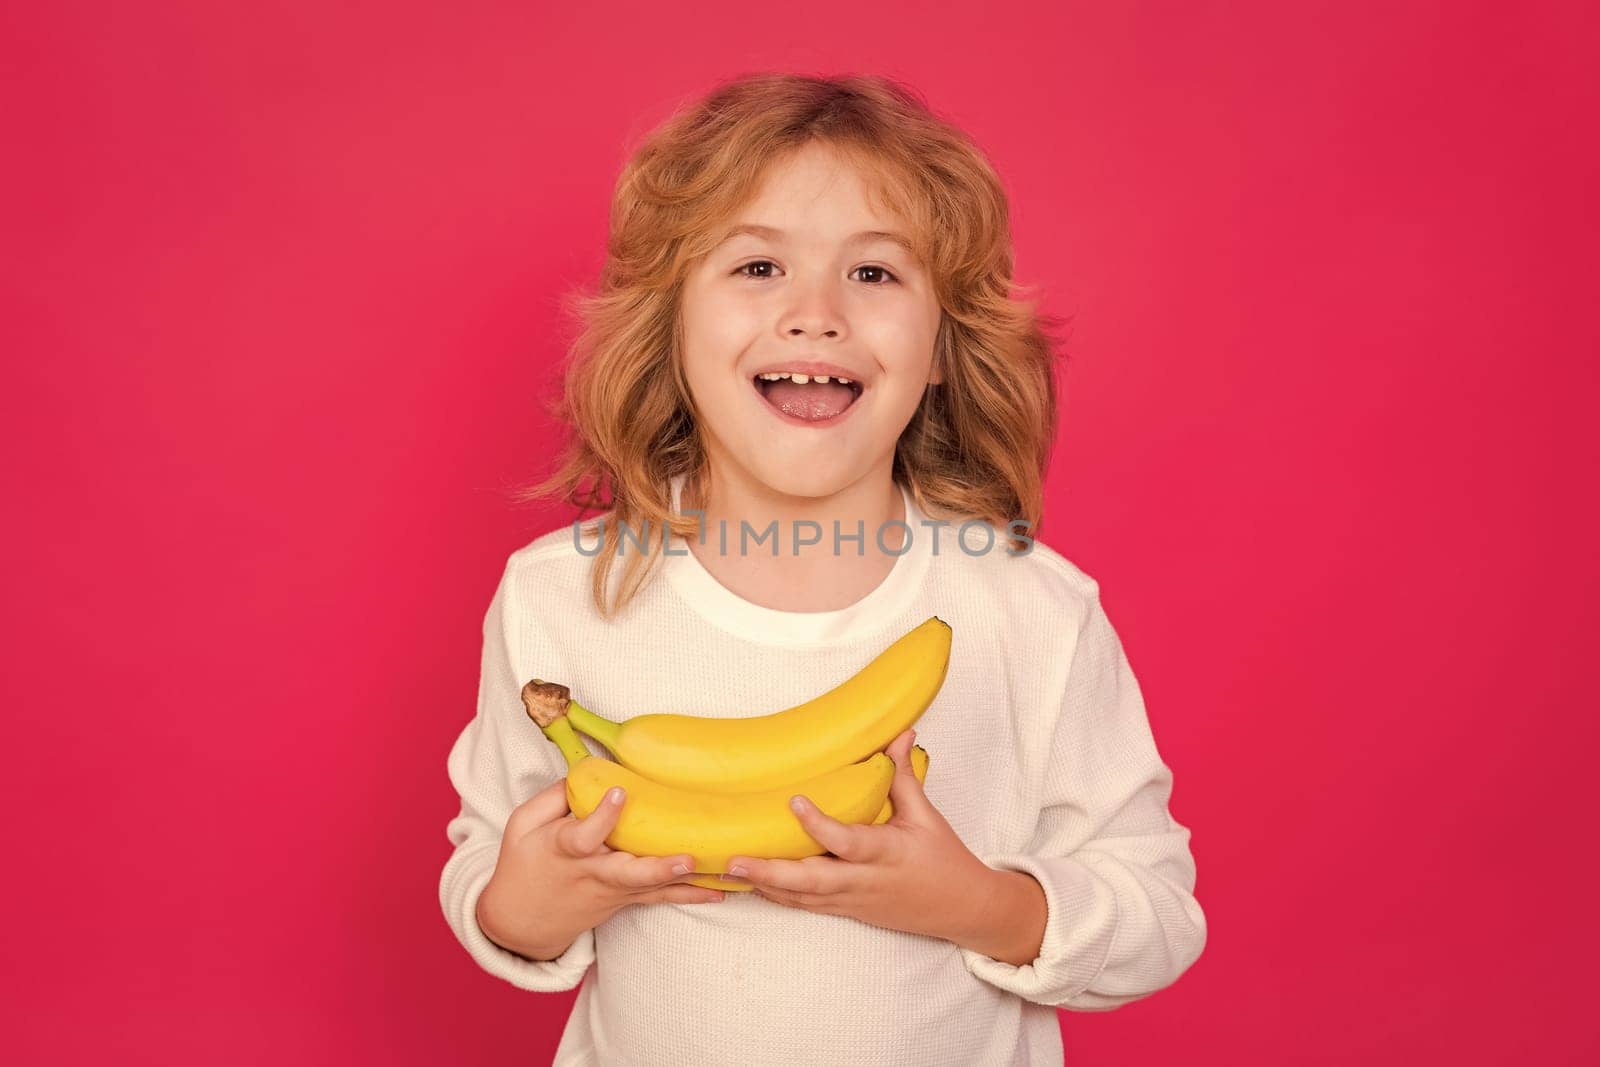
(860, 716)
(661, 820)
(919, 767)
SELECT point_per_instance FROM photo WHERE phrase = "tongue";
(811, 401)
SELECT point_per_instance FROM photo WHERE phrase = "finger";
(778, 896)
(647, 872)
(845, 840)
(685, 894)
(802, 901)
(900, 748)
(588, 834)
(812, 875)
(547, 805)
(905, 792)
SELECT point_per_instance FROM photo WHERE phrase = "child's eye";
(881, 270)
(757, 263)
(743, 271)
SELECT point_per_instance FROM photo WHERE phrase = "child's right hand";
(556, 877)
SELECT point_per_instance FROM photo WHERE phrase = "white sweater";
(1040, 757)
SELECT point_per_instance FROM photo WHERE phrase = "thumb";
(588, 835)
(547, 805)
(905, 792)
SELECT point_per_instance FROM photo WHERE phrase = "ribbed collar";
(726, 609)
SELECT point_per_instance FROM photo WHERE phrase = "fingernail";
(615, 796)
(737, 871)
(680, 868)
(797, 803)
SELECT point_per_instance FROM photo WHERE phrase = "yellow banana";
(919, 767)
(661, 820)
(860, 716)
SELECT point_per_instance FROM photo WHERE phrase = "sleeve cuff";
(460, 900)
(1079, 931)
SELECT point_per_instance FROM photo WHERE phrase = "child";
(805, 326)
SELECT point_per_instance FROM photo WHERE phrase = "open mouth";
(811, 399)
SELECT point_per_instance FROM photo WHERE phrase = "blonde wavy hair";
(978, 444)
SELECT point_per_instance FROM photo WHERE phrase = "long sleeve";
(1115, 866)
(499, 760)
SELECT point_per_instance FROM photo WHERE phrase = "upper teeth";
(802, 379)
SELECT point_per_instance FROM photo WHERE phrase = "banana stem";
(567, 740)
(547, 704)
(605, 731)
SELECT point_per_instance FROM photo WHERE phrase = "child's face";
(759, 303)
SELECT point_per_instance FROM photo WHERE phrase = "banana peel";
(661, 819)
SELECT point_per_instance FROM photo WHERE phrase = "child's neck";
(814, 578)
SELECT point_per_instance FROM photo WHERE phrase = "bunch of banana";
(716, 788)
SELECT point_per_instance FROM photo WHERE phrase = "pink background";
(281, 292)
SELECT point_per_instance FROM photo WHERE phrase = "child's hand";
(910, 873)
(556, 876)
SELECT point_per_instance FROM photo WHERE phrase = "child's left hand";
(909, 873)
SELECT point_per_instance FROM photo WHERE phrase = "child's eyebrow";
(864, 237)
